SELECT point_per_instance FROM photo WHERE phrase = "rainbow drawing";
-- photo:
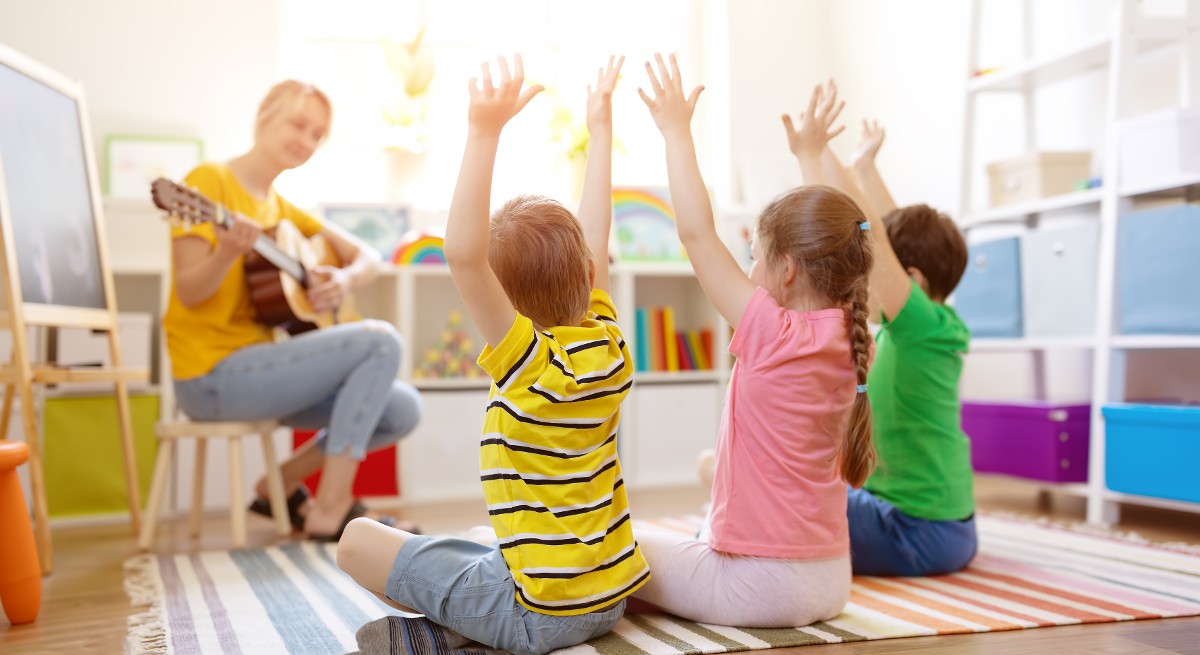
(417, 247)
(646, 224)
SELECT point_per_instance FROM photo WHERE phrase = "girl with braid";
(797, 425)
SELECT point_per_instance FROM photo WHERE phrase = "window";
(337, 46)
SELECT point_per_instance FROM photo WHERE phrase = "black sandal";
(262, 506)
(358, 510)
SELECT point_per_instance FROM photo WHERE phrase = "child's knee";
(353, 543)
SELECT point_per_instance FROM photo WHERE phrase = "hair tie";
(864, 226)
(862, 388)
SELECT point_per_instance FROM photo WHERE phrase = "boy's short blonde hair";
(538, 252)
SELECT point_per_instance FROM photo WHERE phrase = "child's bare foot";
(482, 534)
(706, 467)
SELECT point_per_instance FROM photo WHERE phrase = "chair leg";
(166, 449)
(275, 492)
(198, 487)
(237, 502)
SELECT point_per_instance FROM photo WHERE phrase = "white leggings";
(691, 580)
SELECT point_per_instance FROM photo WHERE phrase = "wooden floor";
(84, 606)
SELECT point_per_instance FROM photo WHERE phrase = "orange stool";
(20, 573)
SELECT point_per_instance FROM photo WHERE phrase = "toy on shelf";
(420, 247)
(646, 225)
(453, 356)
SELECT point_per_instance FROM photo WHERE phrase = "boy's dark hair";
(928, 240)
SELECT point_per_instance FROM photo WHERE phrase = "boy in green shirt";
(915, 514)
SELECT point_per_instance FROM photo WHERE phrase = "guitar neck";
(268, 249)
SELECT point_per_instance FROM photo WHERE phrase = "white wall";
(779, 49)
(156, 67)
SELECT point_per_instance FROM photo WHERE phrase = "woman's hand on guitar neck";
(328, 288)
(238, 238)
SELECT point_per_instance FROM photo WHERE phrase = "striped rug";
(293, 599)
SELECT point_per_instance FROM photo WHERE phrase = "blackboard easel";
(69, 283)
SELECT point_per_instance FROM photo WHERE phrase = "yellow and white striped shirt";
(548, 462)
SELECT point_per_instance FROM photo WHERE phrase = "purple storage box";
(1036, 440)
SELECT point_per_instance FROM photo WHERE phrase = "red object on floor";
(377, 474)
(20, 571)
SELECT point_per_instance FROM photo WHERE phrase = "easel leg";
(6, 414)
(37, 480)
(131, 472)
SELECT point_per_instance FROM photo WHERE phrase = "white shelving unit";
(1132, 34)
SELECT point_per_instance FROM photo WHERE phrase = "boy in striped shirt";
(535, 281)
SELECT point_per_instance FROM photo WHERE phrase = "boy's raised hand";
(816, 123)
(493, 104)
(599, 103)
(671, 110)
(868, 148)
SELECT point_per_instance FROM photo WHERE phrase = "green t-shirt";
(924, 457)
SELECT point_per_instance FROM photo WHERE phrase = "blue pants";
(886, 541)
(342, 378)
(468, 588)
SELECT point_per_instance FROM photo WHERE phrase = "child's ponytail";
(858, 453)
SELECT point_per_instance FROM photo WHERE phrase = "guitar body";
(276, 271)
(278, 298)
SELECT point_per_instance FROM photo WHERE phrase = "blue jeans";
(468, 588)
(341, 378)
(886, 541)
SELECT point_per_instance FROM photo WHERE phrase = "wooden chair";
(170, 432)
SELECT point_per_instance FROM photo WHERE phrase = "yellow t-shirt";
(548, 462)
(199, 337)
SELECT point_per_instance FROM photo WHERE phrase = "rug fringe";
(147, 629)
(1090, 530)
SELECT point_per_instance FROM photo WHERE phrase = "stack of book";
(659, 346)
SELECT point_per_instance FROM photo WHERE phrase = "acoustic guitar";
(277, 271)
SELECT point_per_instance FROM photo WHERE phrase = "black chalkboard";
(47, 179)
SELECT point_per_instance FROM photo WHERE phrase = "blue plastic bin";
(1152, 450)
(1157, 271)
(989, 296)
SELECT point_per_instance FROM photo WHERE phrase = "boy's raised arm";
(862, 164)
(890, 283)
(466, 248)
(723, 281)
(595, 207)
(808, 142)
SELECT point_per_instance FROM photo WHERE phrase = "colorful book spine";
(706, 339)
(658, 350)
(687, 361)
(697, 348)
(640, 345)
(668, 335)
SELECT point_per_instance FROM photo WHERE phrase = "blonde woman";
(226, 364)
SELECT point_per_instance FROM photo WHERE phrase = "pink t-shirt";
(778, 490)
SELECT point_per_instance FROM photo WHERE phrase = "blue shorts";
(468, 588)
(886, 541)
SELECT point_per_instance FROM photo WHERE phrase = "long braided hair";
(822, 230)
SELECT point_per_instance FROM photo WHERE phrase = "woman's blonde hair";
(821, 230)
(538, 251)
(287, 97)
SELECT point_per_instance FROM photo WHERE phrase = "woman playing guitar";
(226, 363)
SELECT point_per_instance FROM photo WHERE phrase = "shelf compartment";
(1176, 187)
(1048, 69)
(1019, 212)
(668, 377)
(1032, 343)
(1156, 341)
